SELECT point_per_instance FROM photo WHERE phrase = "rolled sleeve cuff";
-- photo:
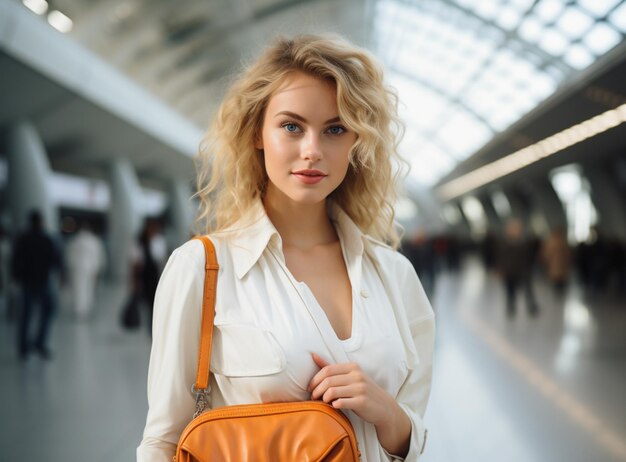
(417, 443)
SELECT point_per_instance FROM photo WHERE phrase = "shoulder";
(193, 255)
(387, 257)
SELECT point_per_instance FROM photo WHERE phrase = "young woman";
(296, 188)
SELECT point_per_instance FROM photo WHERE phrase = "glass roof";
(466, 70)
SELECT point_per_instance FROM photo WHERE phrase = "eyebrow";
(302, 119)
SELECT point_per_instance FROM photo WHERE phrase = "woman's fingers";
(321, 362)
(330, 370)
(346, 386)
(329, 383)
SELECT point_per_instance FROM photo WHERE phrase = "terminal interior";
(514, 112)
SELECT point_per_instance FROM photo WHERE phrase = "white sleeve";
(173, 359)
(414, 393)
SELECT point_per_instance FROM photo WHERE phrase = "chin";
(298, 195)
(308, 198)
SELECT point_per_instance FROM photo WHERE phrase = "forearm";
(394, 434)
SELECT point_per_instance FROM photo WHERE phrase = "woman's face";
(306, 147)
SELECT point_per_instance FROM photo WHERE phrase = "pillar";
(29, 185)
(125, 216)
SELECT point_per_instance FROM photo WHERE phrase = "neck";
(300, 225)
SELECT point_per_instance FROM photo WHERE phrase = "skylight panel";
(601, 38)
(486, 8)
(574, 22)
(618, 17)
(541, 86)
(531, 29)
(548, 10)
(599, 8)
(578, 56)
(504, 60)
(524, 70)
(460, 78)
(509, 17)
(553, 42)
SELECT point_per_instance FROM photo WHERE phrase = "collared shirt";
(267, 324)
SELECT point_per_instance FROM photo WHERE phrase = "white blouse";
(267, 324)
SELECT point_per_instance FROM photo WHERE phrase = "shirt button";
(365, 293)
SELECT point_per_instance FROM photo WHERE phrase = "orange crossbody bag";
(275, 432)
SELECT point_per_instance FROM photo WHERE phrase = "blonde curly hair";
(231, 173)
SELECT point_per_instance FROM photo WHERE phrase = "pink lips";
(308, 176)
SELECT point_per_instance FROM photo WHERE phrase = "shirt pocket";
(383, 358)
(245, 350)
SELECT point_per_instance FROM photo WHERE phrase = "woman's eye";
(336, 130)
(291, 128)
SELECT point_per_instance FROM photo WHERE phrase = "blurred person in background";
(85, 260)
(34, 259)
(419, 250)
(594, 262)
(515, 257)
(149, 258)
(488, 249)
(5, 272)
(617, 265)
(556, 255)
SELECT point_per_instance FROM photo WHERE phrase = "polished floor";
(545, 389)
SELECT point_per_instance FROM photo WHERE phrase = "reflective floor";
(551, 388)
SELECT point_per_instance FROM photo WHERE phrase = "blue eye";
(336, 130)
(291, 127)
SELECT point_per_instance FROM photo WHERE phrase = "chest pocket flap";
(244, 350)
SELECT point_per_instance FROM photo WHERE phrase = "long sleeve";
(176, 334)
(414, 393)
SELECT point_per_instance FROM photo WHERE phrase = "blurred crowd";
(520, 258)
(37, 267)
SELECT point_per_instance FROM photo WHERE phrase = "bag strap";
(201, 387)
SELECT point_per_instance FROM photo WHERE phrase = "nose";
(311, 148)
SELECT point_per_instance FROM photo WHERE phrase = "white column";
(125, 216)
(29, 185)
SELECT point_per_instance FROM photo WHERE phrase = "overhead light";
(531, 154)
(36, 6)
(60, 22)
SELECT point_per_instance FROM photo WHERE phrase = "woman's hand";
(346, 386)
